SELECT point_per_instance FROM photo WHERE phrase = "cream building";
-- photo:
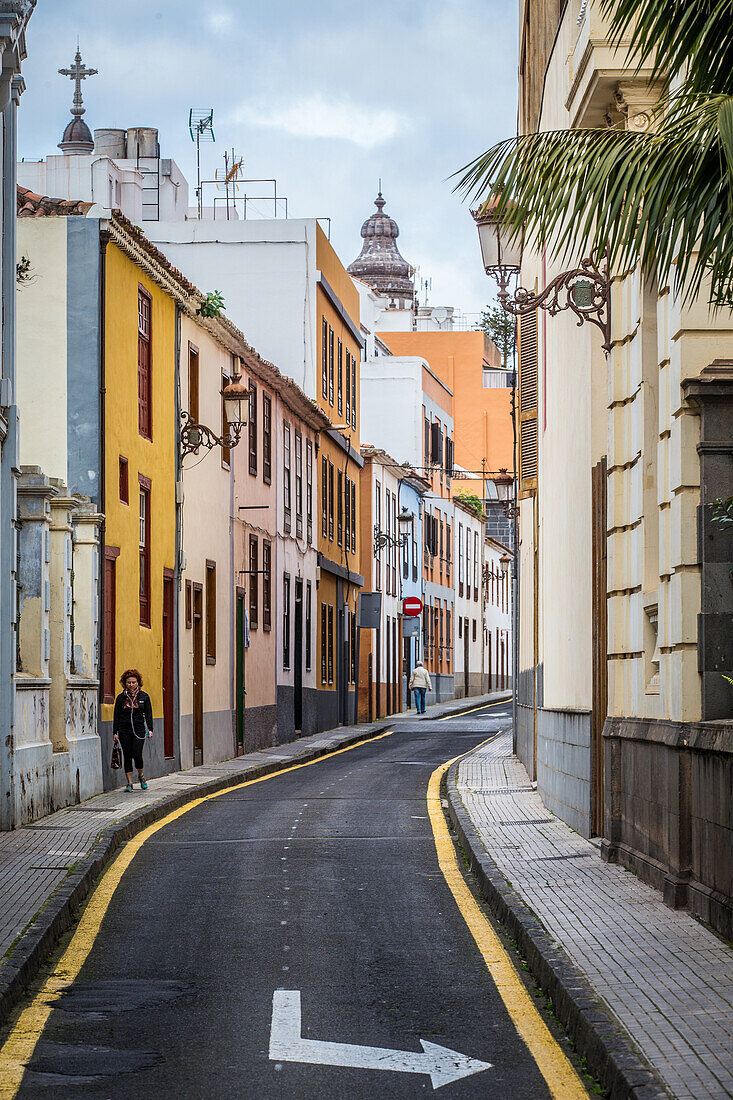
(625, 719)
(468, 545)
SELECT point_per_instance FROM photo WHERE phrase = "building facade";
(625, 717)
(14, 16)
(470, 662)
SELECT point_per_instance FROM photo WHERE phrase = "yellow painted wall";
(337, 276)
(138, 645)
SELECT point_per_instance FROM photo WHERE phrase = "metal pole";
(515, 564)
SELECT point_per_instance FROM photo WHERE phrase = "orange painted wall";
(482, 417)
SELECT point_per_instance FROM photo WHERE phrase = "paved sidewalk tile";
(667, 979)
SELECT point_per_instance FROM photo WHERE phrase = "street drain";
(529, 821)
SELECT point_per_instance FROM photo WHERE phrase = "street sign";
(411, 605)
(410, 627)
(287, 1044)
(370, 610)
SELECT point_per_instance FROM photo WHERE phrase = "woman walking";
(132, 723)
(420, 684)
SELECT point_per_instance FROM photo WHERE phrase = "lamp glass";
(405, 517)
(504, 563)
(498, 249)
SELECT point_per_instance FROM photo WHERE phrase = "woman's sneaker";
(143, 785)
(129, 787)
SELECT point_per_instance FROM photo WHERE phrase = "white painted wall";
(391, 406)
(42, 354)
(266, 271)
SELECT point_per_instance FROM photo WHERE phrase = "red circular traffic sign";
(411, 605)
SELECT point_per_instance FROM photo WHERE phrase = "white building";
(497, 616)
(468, 541)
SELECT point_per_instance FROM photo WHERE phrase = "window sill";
(146, 625)
(210, 660)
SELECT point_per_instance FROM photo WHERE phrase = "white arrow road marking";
(286, 1045)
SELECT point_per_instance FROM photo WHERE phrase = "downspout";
(104, 238)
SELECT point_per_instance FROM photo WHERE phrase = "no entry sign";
(411, 605)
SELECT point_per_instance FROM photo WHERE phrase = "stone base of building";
(46, 781)
(154, 758)
(563, 760)
(476, 685)
(669, 812)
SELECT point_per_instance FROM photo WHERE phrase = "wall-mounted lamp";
(585, 290)
(236, 406)
(381, 539)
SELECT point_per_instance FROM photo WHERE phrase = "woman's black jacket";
(134, 719)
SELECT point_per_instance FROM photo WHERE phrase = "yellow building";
(339, 465)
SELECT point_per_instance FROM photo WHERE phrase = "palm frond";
(653, 198)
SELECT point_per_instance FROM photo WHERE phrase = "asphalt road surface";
(307, 911)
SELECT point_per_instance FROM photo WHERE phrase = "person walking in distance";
(132, 723)
(420, 684)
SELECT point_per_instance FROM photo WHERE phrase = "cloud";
(220, 21)
(317, 116)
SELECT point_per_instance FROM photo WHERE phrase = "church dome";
(77, 137)
(380, 264)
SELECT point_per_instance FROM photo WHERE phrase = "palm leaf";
(653, 198)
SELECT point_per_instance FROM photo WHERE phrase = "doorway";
(169, 641)
(198, 674)
(465, 657)
(240, 685)
(298, 659)
(599, 642)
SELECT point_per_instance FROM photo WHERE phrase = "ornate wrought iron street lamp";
(585, 290)
(381, 539)
(194, 436)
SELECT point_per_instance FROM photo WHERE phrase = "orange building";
(469, 364)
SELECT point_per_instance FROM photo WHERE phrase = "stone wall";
(669, 813)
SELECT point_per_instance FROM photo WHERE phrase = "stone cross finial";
(77, 73)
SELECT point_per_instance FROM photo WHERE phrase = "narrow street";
(321, 883)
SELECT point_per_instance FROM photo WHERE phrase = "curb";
(596, 1034)
(59, 912)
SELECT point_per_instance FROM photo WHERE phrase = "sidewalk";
(47, 869)
(603, 945)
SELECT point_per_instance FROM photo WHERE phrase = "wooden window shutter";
(528, 440)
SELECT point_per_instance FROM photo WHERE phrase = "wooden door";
(298, 658)
(169, 642)
(239, 674)
(600, 642)
(110, 619)
(198, 674)
(466, 651)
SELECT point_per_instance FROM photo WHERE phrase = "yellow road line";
(561, 1077)
(18, 1048)
(498, 703)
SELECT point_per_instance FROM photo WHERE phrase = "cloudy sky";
(326, 96)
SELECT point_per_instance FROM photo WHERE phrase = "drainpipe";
(104, 237)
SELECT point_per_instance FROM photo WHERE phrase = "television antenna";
(201, 128)
(230, 176)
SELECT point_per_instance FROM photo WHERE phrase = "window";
(414, 553)
(460, 559)
(110, 621)
(193, 383)
(448, 634)
(252, 428)
(436, 443)
(426, 447)
(475, 565)
(324, 497)
(144, 365)
(189, 605)
(330, 365)
(266, 585)
(406, 560)
(308, 626)
(211, 612)
(144, 541)
(330, 500)
(324, 645)
(348, 387)
(330, 643)
(448, 546)
(254, 591)
(324, 358)
(448, 457)
(340, 377)
(394, 548)
(226, 452)
(340, 508)
(347, 512)
(353, 517)
(124, 481)
(298, 485)
(353, 393)
(266, 438)
(378, 516)
(353, 647)
(474, 630)
(286, 621)
(309, 488)
(388, 533)
(287, 504)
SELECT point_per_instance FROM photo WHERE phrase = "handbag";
(116, 761)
